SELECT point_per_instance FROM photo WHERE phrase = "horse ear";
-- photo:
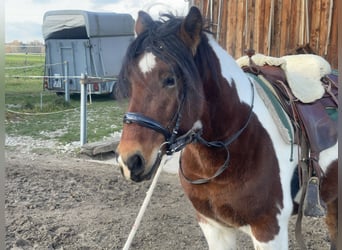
(191, 29)
(143, 22)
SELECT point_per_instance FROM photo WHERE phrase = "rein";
(218, 144)
(175, 143)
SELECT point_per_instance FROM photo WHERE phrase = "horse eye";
(169, 81)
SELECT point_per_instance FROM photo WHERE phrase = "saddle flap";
(321, 130)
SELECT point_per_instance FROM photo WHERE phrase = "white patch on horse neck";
(232, 72)
(147, 62)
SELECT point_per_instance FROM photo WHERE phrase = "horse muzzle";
(135, 168)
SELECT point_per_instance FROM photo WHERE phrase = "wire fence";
(84, 78)
(33, 66)
(32, 101)
(89, 78)
(11, 73)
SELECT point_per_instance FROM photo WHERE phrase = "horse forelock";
(163, 41)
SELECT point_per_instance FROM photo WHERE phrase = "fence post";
(41, 101)
(66, 82)
(83, 108)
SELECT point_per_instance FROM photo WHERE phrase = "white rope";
(33, 66)
(62, 77)
(143, 207)
(25, 67)
(33, 77)
(37, 114)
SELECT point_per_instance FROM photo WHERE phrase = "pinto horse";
(187, 94)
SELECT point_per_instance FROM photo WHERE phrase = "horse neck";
(227, 93)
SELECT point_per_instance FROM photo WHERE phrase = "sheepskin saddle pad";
(303, 73)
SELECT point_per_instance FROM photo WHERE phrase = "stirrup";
(313, 205)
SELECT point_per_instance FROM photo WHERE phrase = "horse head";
(161, 78)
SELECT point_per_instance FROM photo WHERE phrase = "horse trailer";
(87, 43)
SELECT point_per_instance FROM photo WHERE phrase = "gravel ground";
(57, 199)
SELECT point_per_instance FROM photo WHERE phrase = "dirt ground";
(63, 201)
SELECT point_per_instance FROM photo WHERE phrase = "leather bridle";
(171, 139)
(174, 142)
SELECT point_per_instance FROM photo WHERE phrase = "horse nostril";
(135, 163)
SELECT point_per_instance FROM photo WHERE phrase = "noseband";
(175, 143)
(144, 121)
(172, 142)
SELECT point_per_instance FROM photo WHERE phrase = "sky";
(24, 18)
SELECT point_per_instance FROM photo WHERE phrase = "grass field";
(31, 111)
(15, 66)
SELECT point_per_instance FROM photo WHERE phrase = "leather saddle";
(317, 119)
(315, 123)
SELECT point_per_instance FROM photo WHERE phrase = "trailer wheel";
(112, 94)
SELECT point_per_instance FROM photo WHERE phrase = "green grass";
(103, 119)
(13, 62)
(44, 115)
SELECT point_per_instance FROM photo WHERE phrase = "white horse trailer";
(85, 43)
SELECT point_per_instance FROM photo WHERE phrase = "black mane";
(162, 39)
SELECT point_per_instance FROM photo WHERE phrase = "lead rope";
(145, 202)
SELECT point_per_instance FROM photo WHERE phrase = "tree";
(20, 47)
